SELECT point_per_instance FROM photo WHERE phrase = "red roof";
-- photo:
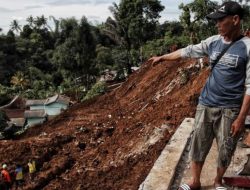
(14, 113)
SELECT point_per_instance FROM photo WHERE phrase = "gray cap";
(227, 8)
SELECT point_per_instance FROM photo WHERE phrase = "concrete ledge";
(162, 173)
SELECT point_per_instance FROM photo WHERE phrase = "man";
(18, 176)
(225, 99)
(6, 177)
(32, 169)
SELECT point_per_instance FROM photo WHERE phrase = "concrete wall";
(34, 121)
(51, 109)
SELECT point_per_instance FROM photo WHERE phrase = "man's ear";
(236, 19)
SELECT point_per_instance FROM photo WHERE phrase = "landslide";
(112, 141)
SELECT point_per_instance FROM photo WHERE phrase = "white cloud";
(33, 7)
(94, 10)
(69, 2)
(17, 18)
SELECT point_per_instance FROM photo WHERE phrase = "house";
(34, 117)
(52, 106)
(15, 111)
(38, 111)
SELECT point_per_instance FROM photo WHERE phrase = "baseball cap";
(227, 8)
(4, 166)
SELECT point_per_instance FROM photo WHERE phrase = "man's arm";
(166, 57)
(239, 123)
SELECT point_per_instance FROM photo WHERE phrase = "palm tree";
(19, 80)
(14, 26)
(30, 20)
(111, 29)
(40, 21)
(56, 23)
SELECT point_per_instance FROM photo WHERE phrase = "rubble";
(112, 141)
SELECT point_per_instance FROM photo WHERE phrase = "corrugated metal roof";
(51, 99)
(35, 114)
(57, 98)
(63, 99)
(35, 102)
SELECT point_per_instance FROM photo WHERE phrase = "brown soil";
(110, 142)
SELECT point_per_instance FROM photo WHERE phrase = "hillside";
(112, 141)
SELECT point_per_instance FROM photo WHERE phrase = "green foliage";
(14, 26)
(3, 120)
(76, 50)
(120, 58)
(104, 59)
(246, 20)
(5, 94)
(134, 23)
(197, 26)
(97, 89)
(162, 46)
(19, 81)
(70, 55)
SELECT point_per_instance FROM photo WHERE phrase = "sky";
(96, 11)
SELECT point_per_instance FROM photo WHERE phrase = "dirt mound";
(111, 142)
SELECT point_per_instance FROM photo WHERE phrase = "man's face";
(225, 25)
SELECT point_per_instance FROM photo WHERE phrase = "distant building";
(39, 110)
(52, 106)
(15, 111)
(34, 117)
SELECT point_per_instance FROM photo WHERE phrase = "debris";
(246, 169)
(237, 181)
(111, 152)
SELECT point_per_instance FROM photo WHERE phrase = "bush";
(162, 46)
(96, 90)
(5, 94)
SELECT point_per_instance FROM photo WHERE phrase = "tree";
(56, 23)
(246, 7)
(3, 120)
(67, 27)
(19, 80)
(26, 32)
(86, 47)
(111, 29)
(104, 59)
(9, 58)
(30, 21)
(40, 22)
(76, 51)
(14, 26)
(135, 22)
(198, 22)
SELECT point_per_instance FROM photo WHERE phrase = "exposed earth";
(110, 142)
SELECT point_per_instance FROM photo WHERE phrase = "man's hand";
(155, 60)
(237, 127)
(176, 55)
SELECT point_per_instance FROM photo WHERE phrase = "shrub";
(97, 89)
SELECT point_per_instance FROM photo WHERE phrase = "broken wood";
(237, 181)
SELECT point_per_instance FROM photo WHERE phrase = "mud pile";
(110, 142)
